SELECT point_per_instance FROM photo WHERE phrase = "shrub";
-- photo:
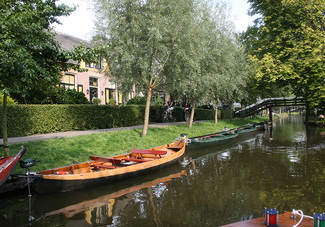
(96, 101)
(137, 100)
(10, 101)
(75, 97)
(158, 102)
(111, 102)
(26, 120)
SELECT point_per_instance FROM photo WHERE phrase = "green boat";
(214, 137)
(246, 128)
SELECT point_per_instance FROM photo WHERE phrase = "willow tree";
(289, 48)
(214, 62)
(142, 36)
(228, 80)
(196, 63)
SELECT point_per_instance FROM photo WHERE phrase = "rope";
(301, 213)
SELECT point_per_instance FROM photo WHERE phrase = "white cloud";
(79, 23)
(239, 10)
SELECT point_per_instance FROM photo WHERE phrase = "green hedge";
(39, 119)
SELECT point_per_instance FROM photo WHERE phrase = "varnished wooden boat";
(103, 170)
(8, 164)
(284, 221)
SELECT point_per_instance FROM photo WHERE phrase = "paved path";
(25, 139)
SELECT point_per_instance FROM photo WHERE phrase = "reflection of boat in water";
(99, 211)
(103, 170)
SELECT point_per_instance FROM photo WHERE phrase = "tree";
(142, 36)
(30, 57)
(215, 68)
(289, 47)
(28, 51)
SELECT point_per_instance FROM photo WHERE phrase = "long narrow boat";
(220, 136)
(103, 170)
(246, 128)
(8, 164)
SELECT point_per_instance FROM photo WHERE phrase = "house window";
(68, 81)
(95, 65)
(93, 81)
(80, 88)
(110, 94)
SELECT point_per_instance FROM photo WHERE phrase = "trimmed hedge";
(26, 120)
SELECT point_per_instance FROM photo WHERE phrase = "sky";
(80, 22)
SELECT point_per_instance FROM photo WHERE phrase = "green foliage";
(96, 101)
(137, 100)
(112, 102)
(158, 101)
(39, 119)
(75, 97)
(29, 55)
(289, 46)
(10, 101)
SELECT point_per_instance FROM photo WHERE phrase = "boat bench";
(138, 153)
(114, 161)
(175, 146)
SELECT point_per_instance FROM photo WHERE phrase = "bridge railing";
(268, 103)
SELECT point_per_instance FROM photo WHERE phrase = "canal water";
(282, 167)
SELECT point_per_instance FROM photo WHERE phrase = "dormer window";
(94, 65)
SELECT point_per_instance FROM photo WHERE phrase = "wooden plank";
(115, 161)
(284, 221)
(155, 152)
(135, 160)
(104, 166)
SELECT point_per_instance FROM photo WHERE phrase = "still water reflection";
(283, 168)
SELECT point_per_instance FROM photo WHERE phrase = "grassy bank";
(65, 151)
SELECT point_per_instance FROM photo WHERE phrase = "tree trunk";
(146, 113)
(192, 115)
(231, 112)
(216, 115)
(307, 112)
(4, 126)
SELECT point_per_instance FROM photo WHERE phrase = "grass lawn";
(65, 151)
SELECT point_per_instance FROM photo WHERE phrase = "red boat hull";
(8, 164)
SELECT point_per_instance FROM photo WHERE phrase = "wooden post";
(270, 114)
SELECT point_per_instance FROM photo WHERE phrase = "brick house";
(93, 83)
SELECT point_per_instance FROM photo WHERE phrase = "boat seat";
(114, 161)
(139, 152)
(176, 146)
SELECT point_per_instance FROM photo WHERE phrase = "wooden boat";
(284, 221)
(214, 137)
(8, 164)
(103, 170)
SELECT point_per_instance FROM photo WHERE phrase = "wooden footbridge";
(268, 103)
